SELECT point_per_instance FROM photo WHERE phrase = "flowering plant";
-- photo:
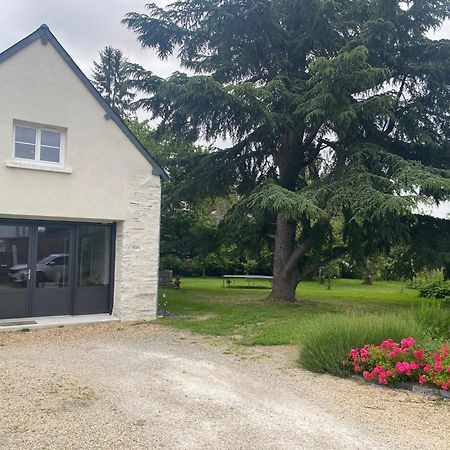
(405, 361)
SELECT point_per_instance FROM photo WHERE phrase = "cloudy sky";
(85, 26)
(82, 26)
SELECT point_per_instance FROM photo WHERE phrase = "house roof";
(46, 36)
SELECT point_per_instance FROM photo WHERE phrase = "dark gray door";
(50, 271)
(14, 270)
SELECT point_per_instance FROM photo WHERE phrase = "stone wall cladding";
(137, 251)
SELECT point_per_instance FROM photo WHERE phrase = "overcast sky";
(85, 26)
(82, 26)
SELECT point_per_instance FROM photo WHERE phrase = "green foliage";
(113, 78)
(401, 265)
(430, 243)
(435, 318)
(169, 151)
(433, 289)
(327, 339)
(273, 198)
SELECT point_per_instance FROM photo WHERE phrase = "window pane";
(52, 269)
(94, 255)
(52, 138)
(24, 134)
(13, 257)
(26, 151)
(50, 154)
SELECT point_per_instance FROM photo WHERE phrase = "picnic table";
(250, 278)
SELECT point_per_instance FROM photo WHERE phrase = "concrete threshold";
(54, 321)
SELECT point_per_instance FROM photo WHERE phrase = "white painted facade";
(104, 178)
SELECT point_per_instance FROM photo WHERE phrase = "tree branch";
(312, 268)
(391, 122)
(300, 251)
(312, 135)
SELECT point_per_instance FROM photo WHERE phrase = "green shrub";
(326, 339)
(434, 289)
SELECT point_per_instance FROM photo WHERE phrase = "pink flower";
(365, 375)
(438, 365)
(378, 369)
(418, 354)
(408, 342)
(354, 353)
(422, 379)
(403, 367)
(356, 368)
(444, 387)
(427, 368)
(363, 352)
(389, 344)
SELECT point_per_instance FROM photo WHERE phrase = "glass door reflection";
(53, 249)
(14, 270)
(51, 275)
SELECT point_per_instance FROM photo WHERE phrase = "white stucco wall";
(110, 180)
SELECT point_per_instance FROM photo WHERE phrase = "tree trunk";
(368, 276)
(285, 277)
(446, 272)
(321, 275)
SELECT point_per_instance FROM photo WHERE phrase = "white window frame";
(36, 162)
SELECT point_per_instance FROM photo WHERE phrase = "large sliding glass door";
(54, 268)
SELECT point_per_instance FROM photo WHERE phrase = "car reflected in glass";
(51, 269)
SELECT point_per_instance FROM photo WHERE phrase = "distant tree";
(113, 78)
(429, 245)
(426, 247)
(335, 109)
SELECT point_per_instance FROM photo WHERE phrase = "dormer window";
(39, 144)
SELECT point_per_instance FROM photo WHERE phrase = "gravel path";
(145, 386)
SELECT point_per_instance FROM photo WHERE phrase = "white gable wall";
(111, 181)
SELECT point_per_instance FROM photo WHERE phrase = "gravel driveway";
(119, 386)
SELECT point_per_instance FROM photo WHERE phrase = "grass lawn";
(243, 314)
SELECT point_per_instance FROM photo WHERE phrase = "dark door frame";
(36, 293)
(73, 226)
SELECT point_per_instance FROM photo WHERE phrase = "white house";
(79, 195)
